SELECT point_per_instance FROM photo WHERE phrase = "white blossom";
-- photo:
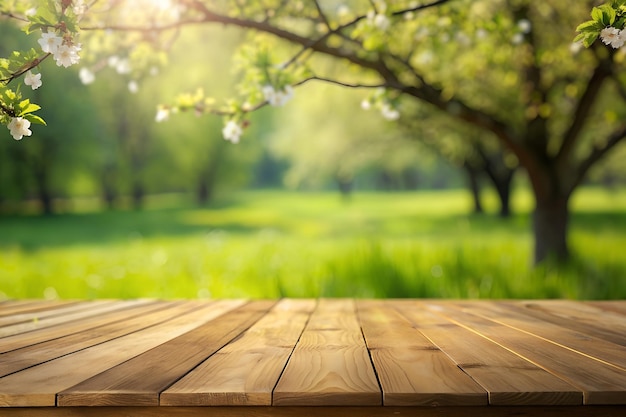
(277, 98)
(524, 25)
(133, 87)
(122, 66)
(613, 36)
(381, 21)
(481, 33)
(113, 60)
(343, 10)
(50, 42)
(366, 104)
(389, 112)
(32, 80)
(67, 55)
(86, 76)
(232, 131)
(378, 20)
(517, 39)
(79, 7)
(19, 127)
(30, 12)
(162, 115)
(575, 47)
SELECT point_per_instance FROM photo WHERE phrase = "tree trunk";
(204, 193)
(107, 181)
(209, 174)
(344, 183)
(550, 225)
(138, 195)
(44, 193)
(503, 188)
(474, 185)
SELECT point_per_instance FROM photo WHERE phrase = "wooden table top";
(311, 357)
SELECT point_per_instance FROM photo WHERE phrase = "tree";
(477, 153)
(502, 66)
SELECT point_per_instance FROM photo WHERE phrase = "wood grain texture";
(330, 364)
(140, 380)
(509, 379)
(599, 349)
(613, 306)
(318, 411)
(38, 386)
(123, 310)
(601, 383)
(77, 311)
(314, 357)
(25, 306)
(245, 371)
(581, 317)
(50, 311)
(411, 369)
(45, 351)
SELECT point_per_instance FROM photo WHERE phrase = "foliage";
(607, 15)
(498, 65)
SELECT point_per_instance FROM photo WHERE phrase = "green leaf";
(10, 95)
(33, 118)
(28, 107)
(596, 14)
(608, 14)
(590, 39)
(590, 26)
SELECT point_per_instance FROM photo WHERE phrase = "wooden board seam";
(293, 349)
(477, 314)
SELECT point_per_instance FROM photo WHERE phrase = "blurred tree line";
(102, 139)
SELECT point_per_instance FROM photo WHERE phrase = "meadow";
(278, 243)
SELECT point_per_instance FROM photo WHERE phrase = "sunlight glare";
(161, 4)
(162, 11)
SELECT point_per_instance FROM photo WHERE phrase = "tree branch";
(24, 69)
(322, 15)
(340, 83)
(585, 104)
(598, 153)
(424, 91)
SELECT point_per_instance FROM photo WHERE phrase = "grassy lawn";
(271, 244)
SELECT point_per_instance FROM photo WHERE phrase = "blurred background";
(320, 198)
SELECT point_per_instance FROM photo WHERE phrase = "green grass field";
(272, 244)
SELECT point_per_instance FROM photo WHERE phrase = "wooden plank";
(25, 306)
(601, 383)
(245, 371)
(20, 359)
(581, 317)
(38, 386)
(330, 365)
(97, 308)
(52, 311)
(600, 349)
(616, 306)
(509, 379)
(411, 369)
(123, 310)
(140, 380)
(538, 411)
